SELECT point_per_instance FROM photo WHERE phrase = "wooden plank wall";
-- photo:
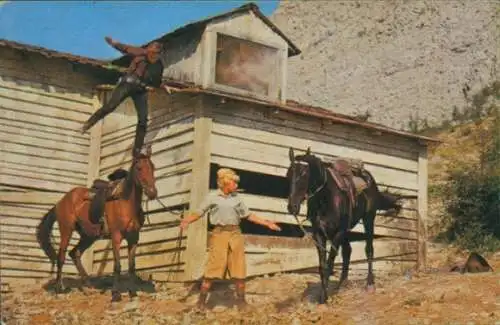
(23, 262)
(170, 132)
(249, 137)
(42, 106)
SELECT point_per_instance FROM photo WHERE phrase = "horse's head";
(303, 173)
(144, 170)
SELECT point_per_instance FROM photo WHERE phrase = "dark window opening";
(255, 183)
(264, 185)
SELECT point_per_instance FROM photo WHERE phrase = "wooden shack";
(232, 111)
(44, 97)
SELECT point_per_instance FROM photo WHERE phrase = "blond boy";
(226, 245)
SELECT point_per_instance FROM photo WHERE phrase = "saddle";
(102, 191)
(111, 190)
(350, 176)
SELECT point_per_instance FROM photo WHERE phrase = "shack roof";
(201, 24)
(319, 112)
(290, 106)
(296, 108)
(53, 54)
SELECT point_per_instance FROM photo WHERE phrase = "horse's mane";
(311, 159)
(129, 183)
(317, 164)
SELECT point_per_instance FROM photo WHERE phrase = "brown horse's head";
(144, 171)
(298, 178)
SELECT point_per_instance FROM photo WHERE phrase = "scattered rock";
(219, 309)
(186, 319)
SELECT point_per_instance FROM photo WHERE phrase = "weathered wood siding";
(170, 132)
(182, 58)
(43, 104)
(252, 138)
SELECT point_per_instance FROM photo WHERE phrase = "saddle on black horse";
(102, 191)
(350, 176)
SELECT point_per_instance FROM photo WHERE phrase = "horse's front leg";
(346, 260)
(132, 240)
(116, 239)
(324, 274)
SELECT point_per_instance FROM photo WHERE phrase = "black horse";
(332, 214)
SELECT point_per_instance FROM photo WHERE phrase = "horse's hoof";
(370, 288)
(60, 289)
(116, 296)
(343, 284)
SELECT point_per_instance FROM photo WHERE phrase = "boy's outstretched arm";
(125, 48)
(266, 223)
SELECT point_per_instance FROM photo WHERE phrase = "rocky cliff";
(396, 60)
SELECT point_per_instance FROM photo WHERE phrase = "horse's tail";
(389, 201)
(44, 230)
(386, 200)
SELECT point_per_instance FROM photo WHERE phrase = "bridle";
(166, 208)
(311, 194)
(137, 178)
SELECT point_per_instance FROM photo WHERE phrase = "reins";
(309, 196)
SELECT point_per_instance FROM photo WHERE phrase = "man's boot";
(136, 152)
(90, 123)
(241, 303)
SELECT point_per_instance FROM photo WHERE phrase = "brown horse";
(124, 217)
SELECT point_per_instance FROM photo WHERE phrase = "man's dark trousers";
(139, 95)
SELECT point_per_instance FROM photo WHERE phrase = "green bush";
(472, 200)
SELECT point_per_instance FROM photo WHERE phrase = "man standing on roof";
(146, 69)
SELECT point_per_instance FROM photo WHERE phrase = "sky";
(79, 27)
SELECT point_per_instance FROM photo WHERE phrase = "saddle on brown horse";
(350, 177)
(102, 191)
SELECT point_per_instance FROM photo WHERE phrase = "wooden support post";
(422, 209)
(93, 168)
(197, 232)
(282, 92)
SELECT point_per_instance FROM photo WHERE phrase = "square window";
(245, 65)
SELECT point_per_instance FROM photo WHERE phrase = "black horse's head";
(304, 177)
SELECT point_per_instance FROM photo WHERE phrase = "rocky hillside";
(397, 60)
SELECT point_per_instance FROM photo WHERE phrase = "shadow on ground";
(102, 283)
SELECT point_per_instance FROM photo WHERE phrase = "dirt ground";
(430, 297)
